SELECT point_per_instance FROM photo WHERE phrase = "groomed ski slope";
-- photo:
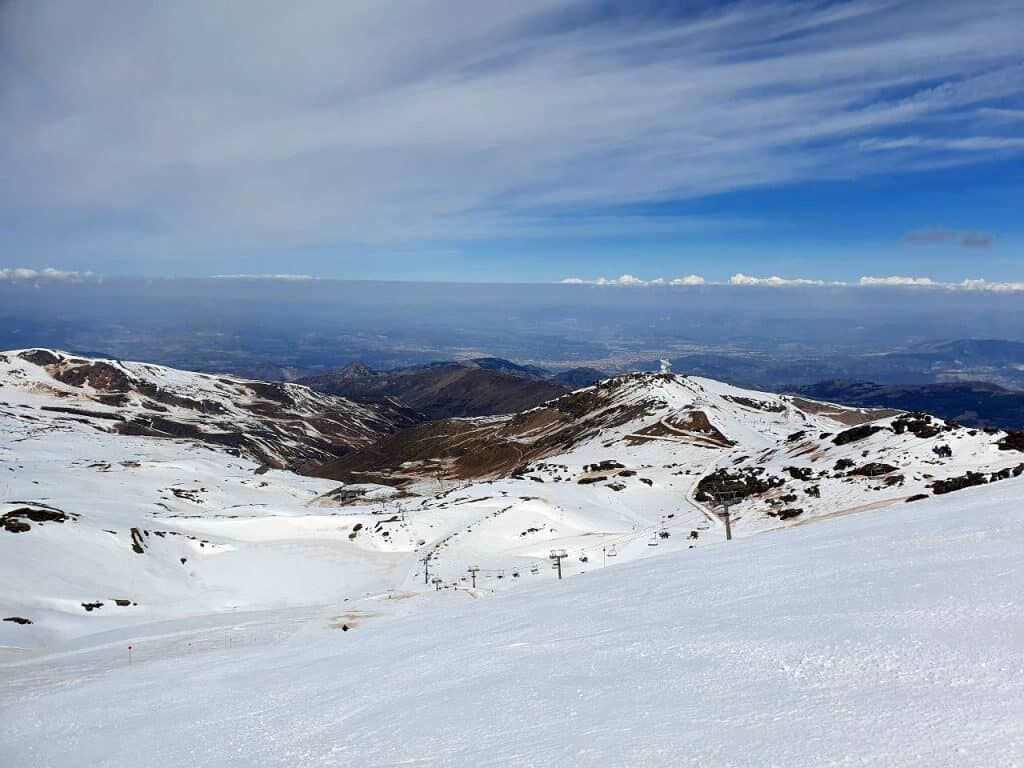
(888, 638)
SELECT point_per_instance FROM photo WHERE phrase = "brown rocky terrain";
(495, 446)
(281, 425)
(442, 390)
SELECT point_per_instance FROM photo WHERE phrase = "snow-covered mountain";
(277, 424)
(889, 638)
(152, 488)
(275, 618)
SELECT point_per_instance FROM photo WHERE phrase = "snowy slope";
(109, 530)
(277, 424)
(891, 638)
(621, 477)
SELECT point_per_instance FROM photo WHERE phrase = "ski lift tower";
(557, 555)
(727, 499)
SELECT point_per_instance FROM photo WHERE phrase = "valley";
(165, 494)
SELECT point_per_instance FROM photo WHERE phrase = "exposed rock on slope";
(445, 389)
(634, 466)
(494, 446)
(775, 458)
(277, 424)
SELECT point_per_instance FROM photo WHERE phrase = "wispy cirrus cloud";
(196, 127)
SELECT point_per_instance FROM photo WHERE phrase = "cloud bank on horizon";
(866, 281)
(163, 138)
(48, 273)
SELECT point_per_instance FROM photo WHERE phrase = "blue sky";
(528, 141)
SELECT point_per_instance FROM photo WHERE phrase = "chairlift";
(611, 551)
(534, 568)
(583, 557)
(515, 574)
(663, 534)
(653, 542)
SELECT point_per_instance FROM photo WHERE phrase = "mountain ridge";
(193, 525)
(443, 389)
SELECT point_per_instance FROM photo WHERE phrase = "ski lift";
(611, 551)
(663, 534)
(653, 542)
(534, 568)
(583, 557)
(515, 574)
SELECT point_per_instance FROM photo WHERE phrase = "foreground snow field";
(889, 638)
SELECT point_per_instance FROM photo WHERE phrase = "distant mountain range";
(484, 386)
(977, 404)
(996, 361)
(489, 386)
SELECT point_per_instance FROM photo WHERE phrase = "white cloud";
(628, 280)
(49, 273)
(633, 281)
(740, 279)
(978, 284)
(970, 284)
(1002, 114)
(198, 118)
(965, 144)
(897, 280)
(281, 277)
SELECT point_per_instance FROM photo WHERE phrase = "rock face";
(281, 425)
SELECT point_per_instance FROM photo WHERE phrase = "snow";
(255, 540)
(890, 637)
(272, 625)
